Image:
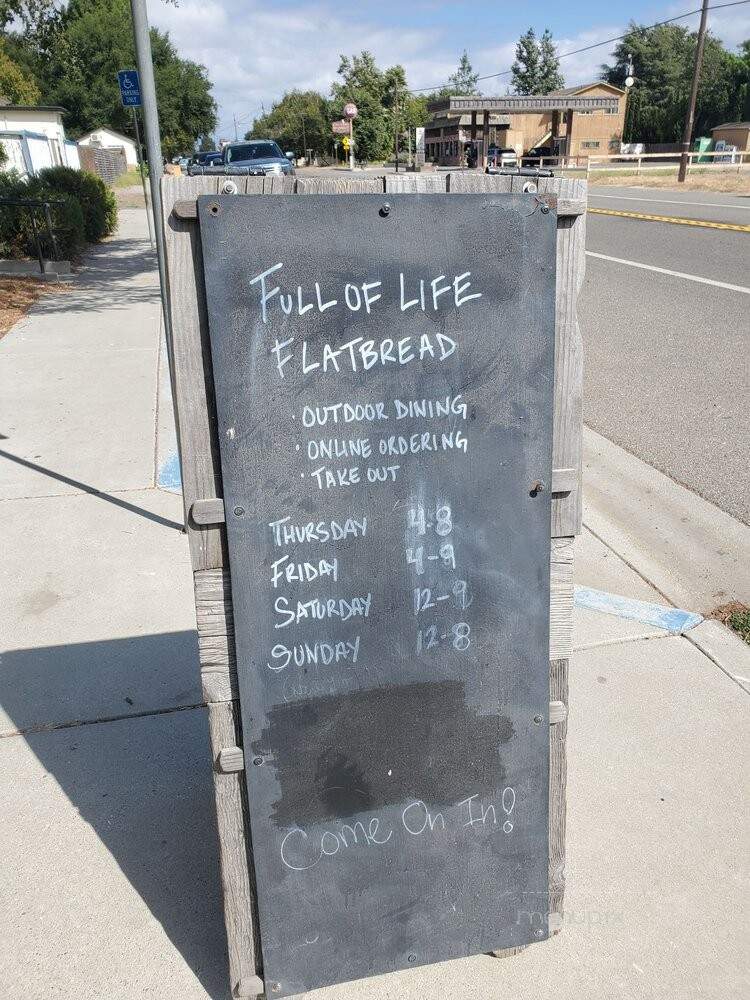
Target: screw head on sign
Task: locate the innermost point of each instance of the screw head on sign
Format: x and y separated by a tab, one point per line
385	210
536	487
275	987
257	761
239	511
412	958
538	719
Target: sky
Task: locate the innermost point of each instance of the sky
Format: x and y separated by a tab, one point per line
254	52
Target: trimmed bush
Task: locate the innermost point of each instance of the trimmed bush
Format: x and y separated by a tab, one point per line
97	201
17	224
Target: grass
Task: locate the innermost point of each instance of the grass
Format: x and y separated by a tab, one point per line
17	295
130	178
737	617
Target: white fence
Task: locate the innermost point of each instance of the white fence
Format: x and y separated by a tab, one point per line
722	159
30	152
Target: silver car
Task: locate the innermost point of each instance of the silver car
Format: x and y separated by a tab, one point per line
262	156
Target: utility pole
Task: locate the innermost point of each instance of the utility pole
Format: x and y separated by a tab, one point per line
395	126
144	59
690	116
142	172
234	119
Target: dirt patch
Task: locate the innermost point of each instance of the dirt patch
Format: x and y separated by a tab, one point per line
706	180
129	197
18	294
736	616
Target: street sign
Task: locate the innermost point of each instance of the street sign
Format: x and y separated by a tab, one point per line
340	127
384	402
130	87
350	110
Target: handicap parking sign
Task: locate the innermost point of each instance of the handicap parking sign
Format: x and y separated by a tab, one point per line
130	87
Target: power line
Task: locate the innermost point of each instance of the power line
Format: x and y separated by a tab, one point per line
596	45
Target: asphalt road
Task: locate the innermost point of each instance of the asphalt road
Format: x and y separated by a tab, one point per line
708	205
667	357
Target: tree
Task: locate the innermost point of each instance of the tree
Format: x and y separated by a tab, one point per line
75	53
380	96
663	63
16	86
525	71
550	77
300	121
464	81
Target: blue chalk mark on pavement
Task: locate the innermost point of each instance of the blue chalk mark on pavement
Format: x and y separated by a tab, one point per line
658	615
170	477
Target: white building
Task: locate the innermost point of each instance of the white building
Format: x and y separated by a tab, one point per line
34	138
107	138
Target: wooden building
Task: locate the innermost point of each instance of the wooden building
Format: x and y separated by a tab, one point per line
575	121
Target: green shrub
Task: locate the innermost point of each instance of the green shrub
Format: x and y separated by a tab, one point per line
97	201
17	223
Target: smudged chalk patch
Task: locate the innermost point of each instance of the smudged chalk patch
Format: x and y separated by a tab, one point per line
658	615
170	477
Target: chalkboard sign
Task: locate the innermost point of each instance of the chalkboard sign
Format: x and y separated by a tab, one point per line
383	369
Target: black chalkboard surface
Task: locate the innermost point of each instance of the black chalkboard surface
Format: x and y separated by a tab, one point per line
383	368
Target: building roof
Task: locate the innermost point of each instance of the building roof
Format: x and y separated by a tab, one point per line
30	107
569	91
106	128
731	125
443	121
519	104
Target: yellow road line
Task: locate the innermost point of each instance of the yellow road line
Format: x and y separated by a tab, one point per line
735	227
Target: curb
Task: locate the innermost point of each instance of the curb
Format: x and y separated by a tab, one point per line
725	649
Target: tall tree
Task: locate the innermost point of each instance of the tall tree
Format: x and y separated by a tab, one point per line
16	85
299	121
663	62
464	81
378	94
550	77
75	53
525	71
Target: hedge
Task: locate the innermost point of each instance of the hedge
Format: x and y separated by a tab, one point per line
97	201
83	210
16	224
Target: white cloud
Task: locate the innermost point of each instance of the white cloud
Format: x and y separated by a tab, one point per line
254	52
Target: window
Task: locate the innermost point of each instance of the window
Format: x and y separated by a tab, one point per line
589	145
584	112
252	151
614	110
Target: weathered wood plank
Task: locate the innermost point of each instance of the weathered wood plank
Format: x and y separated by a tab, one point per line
194	395
561	599
568	411
415	183
558	773
345	184
237	875
208	511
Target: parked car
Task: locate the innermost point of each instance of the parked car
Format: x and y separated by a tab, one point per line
207	157
531	159
501	156
261	156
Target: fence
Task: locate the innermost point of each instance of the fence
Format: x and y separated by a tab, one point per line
721	159
109	164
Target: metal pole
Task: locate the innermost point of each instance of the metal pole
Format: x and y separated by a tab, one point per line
690	116
395	127
234	119
144	59
143	177
351	144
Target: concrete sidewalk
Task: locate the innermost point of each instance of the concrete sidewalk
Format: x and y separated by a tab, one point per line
110	880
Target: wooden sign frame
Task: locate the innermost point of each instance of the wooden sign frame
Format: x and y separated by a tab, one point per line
204	508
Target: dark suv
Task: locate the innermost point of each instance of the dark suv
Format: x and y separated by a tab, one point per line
262	156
